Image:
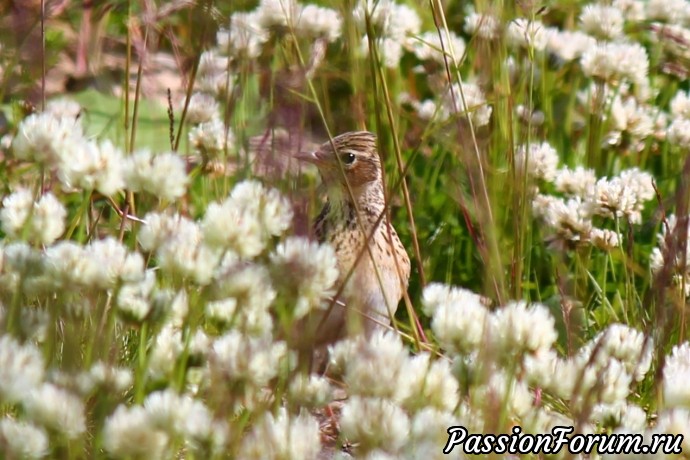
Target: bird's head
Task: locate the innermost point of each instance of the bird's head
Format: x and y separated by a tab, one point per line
351	158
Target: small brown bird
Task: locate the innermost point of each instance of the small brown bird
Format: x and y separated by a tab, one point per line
347	221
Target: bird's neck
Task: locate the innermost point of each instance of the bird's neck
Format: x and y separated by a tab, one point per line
368	199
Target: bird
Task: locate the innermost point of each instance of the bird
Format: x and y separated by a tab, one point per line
354	217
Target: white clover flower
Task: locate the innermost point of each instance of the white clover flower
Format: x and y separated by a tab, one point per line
475	101
211	138
133	299
602	21
91	166
679	267
676	422
504	392
182	415
251	287
426	110
458	317
161	227
633	10
485	26
22	440
629	116
539	161
676	376
307	270
605	239
163	175
540	367
42	221
179	246
571	219
622	196
277	13
620	415
221	311
427	384
603	381
568	45
527	34
390	50
394	24
101	375
282	436
248	359
21	259
256	213
680	105
614	62
372	367
612	199
374	423
16	210
625	344
57	409
392	20
167	347
202	108
179	308
520	327
429	427
63	108
428	46
21	369
245	36
43	138
317	21
106	262
309	391
671	11
576	181
678	133
128	432
213	74
535	118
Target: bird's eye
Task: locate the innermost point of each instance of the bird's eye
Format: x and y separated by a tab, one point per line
348	158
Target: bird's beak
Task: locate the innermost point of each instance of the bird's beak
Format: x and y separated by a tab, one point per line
315	157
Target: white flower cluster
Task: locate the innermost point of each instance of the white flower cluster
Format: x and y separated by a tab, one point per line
45	405
678	132
59	145
614	62
437	46
146	431
384	411
485	26
669	253
527	34
568	45
676	375
307	273
501	354
604	22
41	221
620	197
211	138
539	161
394	25
249	31
631	121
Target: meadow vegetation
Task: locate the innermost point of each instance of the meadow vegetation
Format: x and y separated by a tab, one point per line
156	241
